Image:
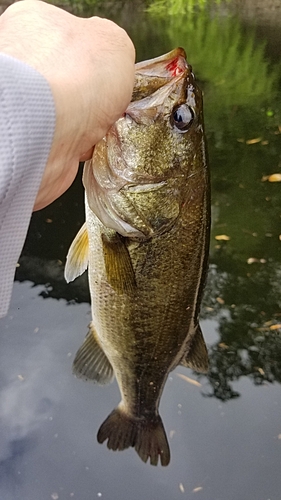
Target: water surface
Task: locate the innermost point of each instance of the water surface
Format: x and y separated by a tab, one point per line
224	432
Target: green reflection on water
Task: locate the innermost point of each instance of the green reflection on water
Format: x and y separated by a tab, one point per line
177	7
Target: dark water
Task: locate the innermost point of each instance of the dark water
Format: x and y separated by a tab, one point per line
224	432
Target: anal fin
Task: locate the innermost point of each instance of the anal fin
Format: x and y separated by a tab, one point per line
90	361
197	356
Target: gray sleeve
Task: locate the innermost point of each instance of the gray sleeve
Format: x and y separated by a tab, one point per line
27	125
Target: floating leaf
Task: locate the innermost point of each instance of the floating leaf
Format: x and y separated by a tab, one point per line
268	323
222	345
199	488
275	327
251	260
181	487
189	380
222	237
254	141
220	300
274	178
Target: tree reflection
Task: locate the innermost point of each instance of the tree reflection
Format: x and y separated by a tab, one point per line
246	304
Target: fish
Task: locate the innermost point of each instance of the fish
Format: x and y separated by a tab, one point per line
145	243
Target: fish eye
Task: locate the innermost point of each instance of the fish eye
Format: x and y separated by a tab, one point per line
182	117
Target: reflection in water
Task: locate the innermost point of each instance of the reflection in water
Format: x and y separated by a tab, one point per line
248	315
28	396
232	66
60	456
50	273
146	285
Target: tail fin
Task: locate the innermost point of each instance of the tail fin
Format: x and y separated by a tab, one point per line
148	437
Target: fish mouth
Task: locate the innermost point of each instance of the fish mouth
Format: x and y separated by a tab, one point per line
155	80
154	73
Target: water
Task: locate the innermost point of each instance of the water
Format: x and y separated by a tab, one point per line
224	432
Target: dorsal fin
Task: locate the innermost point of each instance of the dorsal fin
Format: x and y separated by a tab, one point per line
197	356
78	255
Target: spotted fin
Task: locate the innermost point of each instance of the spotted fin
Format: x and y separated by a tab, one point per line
197	357
147	436
78	255
91	362
118	265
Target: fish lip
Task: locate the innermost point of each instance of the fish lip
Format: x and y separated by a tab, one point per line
173	54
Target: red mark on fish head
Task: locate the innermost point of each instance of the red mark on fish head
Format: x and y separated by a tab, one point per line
176	67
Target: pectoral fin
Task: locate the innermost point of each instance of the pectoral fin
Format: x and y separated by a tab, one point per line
119	269
78	255
91	362
197	357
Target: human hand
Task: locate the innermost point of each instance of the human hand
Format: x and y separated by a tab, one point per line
89	65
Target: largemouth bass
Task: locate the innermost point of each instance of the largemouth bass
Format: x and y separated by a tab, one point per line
145	243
